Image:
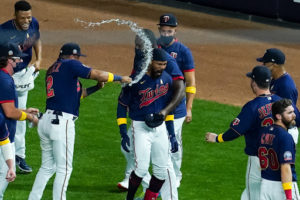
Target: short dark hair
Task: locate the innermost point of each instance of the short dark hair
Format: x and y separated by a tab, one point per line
262	85
3	62
279	107
22	6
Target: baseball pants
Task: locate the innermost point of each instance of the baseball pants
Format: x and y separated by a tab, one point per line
253	179
177	157
21	126
3	172
57	144
272	190
294	132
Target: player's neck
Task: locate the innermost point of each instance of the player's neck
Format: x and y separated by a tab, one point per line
279	123
278	72
262	92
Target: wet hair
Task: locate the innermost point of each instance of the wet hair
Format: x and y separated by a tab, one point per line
150	35
22	6
279	107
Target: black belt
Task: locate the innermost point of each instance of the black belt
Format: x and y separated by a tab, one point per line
60	113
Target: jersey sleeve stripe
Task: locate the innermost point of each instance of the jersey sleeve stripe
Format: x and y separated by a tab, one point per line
7	101
189	70
177	77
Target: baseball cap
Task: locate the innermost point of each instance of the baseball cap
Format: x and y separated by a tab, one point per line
71	49
260	74
159	55
167	20
11	50
273	55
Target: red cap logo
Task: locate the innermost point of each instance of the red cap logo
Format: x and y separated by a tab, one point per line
166	18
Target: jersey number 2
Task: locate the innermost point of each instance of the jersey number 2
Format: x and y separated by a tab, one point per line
50	91
268	157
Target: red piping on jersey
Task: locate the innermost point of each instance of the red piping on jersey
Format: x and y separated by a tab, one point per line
2	69
7	101
189	70
177	77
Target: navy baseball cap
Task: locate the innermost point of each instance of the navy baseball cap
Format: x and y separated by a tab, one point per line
11	50
273	55
71	49
167	20
260	74
159	55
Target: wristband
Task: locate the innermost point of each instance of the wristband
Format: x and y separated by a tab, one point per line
219	138
121	121
117	78
110	77
3	142
169	118
191	90
287	187
23	116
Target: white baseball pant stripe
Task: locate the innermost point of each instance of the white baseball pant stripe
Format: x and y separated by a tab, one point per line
3	172
253	179
272	190
150	143
21	127
57	143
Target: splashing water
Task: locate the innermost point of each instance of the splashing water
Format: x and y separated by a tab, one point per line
146	48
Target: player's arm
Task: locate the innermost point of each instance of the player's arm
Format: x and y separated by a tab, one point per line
88	91
229	135
122	123
102	76
12	112
7	152
178	94
286	179
190	90
38	54
170	127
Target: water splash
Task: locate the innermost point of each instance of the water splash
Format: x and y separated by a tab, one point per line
146	48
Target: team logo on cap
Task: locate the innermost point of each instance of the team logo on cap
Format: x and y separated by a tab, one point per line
166	18
74	51
174	54
10	53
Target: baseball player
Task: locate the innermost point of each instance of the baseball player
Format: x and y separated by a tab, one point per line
177	89
23	30
10	55
254	115
149	96
282	83
276	154
182	54
56	128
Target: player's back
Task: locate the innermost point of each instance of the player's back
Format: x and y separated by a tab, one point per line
62	85
276	146
255	114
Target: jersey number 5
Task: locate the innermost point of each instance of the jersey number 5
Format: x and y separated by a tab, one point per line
49	82
268	157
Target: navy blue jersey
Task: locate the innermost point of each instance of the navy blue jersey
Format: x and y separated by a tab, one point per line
147	96
63	87
26	39
255	114
285	87
4	132
173	70
276	147
8	94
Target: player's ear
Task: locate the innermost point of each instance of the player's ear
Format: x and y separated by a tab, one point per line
278	116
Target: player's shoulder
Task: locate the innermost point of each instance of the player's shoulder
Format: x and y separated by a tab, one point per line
7	25
182	47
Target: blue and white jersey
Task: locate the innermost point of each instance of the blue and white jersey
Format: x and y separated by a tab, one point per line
8	94
147	96
173	70
255	114
63	88
276	147
285	87
26	39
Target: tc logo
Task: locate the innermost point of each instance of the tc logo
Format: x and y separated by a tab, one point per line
166	18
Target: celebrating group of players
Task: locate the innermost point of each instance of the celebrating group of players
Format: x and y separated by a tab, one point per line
158	104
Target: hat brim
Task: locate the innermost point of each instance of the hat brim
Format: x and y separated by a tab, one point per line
260	59
83	55
172	25
249	74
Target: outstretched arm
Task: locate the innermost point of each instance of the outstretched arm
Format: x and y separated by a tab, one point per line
229	135
102	76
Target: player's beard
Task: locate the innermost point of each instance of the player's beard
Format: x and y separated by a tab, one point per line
288	124
155	73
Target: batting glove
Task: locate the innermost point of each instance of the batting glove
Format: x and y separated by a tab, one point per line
125	143
174	144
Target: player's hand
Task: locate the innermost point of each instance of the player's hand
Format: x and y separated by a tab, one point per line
188	117
210	137
174	144
33	111
126	79
11	175
101	85
125	143
37	65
